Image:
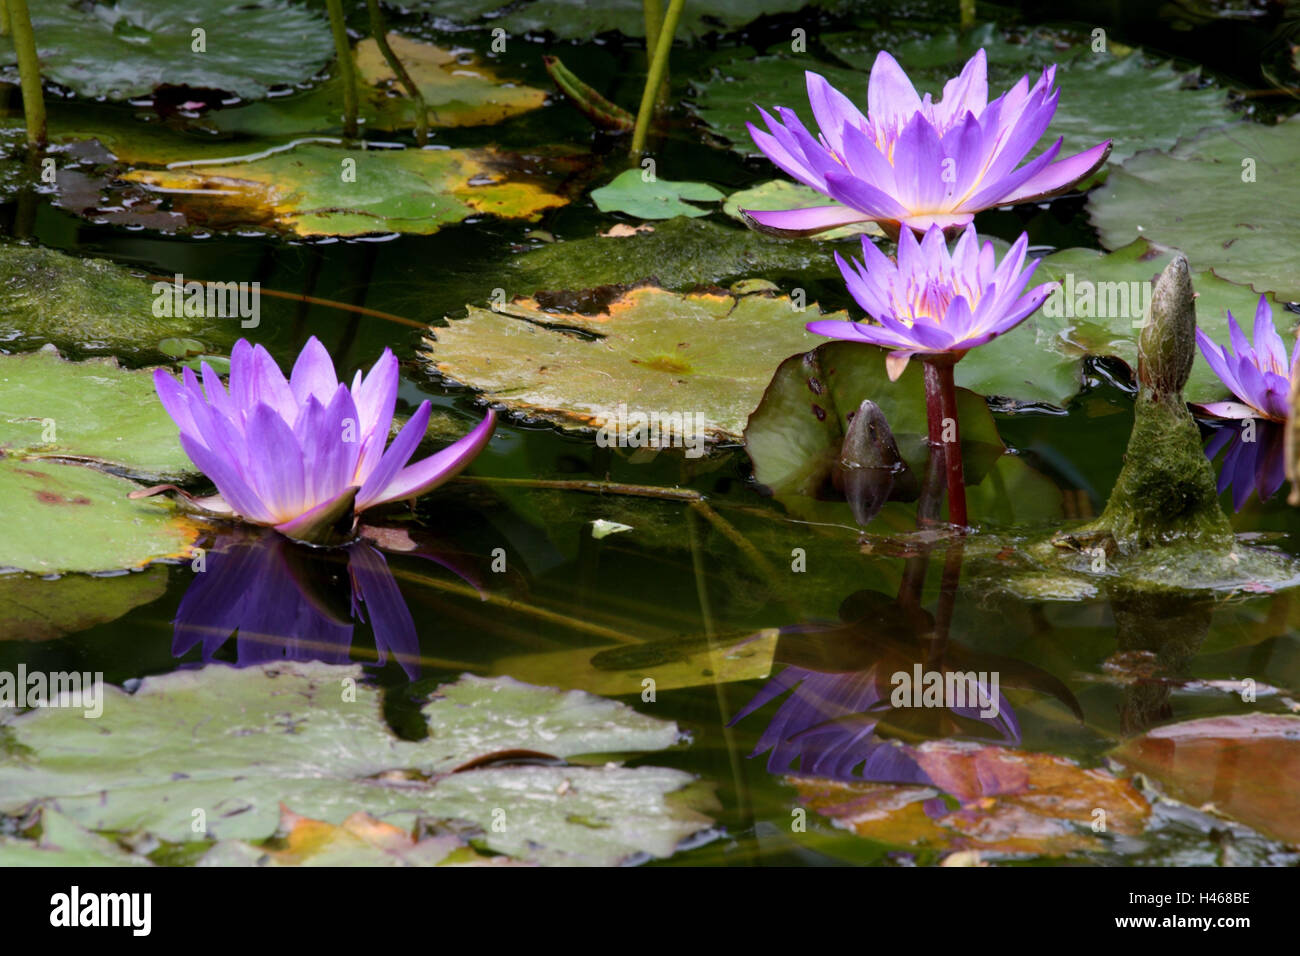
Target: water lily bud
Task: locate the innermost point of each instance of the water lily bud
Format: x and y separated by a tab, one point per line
869	462
1168	343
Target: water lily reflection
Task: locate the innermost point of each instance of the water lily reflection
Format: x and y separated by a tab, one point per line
286	601
848	714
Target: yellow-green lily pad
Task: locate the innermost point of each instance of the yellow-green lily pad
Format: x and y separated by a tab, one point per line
707	355
317	190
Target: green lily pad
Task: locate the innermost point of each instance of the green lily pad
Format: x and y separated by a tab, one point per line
92	411
63	843
581	20
681	253
631	192
236	743
63	517
37	609
704	354
1094	313
1228	199
127	48
1137	102
321	191
784	194
795	435
91	305
457	91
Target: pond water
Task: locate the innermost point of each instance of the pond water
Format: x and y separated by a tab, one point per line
761	630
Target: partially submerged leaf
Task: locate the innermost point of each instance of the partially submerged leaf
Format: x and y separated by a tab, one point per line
796	433
1229	199
321	191
697	361
63	517
93	411
1009	801
1245	766
127	48
653	198
237	743
91	305
681	253
37	609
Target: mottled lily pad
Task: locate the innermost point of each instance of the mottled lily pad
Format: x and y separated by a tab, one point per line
653	198
707	355
1245	765
1228	199
91	305
64	517
321	191
227	746
127	48
1007	801
92	411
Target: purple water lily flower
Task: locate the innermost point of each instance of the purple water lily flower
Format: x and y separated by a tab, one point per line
305	455
933	303
1260	378
914	162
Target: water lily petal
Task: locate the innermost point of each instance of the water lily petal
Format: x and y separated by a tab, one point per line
426	475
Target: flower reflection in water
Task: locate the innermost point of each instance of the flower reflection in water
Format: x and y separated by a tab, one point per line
840	680
287	601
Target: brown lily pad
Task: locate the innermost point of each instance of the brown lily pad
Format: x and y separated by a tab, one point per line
1246	766
1006	801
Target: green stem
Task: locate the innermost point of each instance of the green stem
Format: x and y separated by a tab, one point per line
29	71
654	18
379	30
967	14
658	69
4	19
347	69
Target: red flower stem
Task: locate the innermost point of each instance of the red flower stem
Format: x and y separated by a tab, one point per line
941	417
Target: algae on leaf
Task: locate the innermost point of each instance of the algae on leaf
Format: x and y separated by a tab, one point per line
91	305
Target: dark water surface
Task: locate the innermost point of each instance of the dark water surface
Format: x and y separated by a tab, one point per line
576	611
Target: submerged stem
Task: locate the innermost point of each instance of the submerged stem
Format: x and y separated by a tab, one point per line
379	30
945	434
347	69
658	69
29	71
